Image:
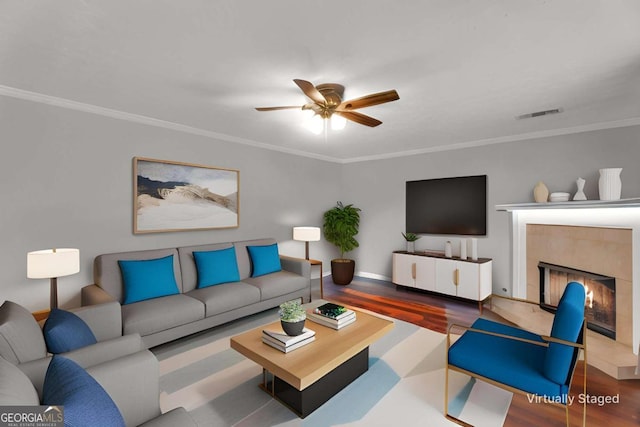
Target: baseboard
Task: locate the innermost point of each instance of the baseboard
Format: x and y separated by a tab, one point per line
372	276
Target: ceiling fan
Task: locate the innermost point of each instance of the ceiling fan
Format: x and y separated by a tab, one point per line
327	100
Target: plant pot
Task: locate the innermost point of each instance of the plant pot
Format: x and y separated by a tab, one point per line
342	271
292	328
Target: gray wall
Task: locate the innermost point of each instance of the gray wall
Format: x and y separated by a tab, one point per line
513	169
66	180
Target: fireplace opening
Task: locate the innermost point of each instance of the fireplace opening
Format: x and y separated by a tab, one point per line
600	305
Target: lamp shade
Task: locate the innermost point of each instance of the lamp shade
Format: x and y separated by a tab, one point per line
49	263
306	234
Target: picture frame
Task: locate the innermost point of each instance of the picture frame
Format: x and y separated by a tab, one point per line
177	196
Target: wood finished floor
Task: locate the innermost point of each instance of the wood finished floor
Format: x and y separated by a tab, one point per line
436	313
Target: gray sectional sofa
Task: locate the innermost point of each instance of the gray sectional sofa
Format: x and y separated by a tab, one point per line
163	319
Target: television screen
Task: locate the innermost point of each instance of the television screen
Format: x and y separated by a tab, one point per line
456	206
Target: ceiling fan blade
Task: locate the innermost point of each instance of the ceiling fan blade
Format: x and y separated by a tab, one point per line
359	118
369	100
278	108
310	90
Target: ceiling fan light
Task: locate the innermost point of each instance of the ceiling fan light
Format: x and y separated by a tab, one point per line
314	124
338	122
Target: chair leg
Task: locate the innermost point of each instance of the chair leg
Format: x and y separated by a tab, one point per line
446	390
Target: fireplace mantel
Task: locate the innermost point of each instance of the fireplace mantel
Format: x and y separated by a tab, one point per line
585	204
588	213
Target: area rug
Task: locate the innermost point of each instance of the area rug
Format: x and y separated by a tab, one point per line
404	384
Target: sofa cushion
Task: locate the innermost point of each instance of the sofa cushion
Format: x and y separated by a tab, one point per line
188	268
147	279
511	362
159	314
567	325
226	297
85	402
278	284
64	331
244	263
15	386
264	259
216	267
21	338
108	276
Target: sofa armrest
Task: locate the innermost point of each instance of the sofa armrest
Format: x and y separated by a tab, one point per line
94	294
133	384
104	320
299	266
36	370
85	357
106	350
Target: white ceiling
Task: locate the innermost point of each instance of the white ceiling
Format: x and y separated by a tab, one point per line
464	69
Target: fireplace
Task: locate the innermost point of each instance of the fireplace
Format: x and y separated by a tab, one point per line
600	305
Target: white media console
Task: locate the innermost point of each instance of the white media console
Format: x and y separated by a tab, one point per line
432	271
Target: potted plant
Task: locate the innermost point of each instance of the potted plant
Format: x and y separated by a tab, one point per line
292	317
411	240
341	224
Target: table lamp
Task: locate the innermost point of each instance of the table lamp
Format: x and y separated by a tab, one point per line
51	264
306	234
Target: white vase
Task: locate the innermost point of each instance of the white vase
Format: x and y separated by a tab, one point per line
447	249
580	193
411	246
610	184
473	242
463	249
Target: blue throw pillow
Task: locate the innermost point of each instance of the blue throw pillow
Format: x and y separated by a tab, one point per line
149	278
264	259
64	331
85	402
216	267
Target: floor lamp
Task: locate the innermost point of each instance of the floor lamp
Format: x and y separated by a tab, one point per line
306	234
51	264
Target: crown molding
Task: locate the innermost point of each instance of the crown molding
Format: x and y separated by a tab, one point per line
635	121
150	121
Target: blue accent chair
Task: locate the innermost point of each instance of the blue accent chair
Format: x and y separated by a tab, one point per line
523	362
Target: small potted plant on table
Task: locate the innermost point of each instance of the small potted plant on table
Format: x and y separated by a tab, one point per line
292	317
411	240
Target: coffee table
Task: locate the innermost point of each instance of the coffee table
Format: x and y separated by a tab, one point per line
307	377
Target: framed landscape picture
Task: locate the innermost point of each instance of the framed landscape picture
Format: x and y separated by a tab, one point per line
176	196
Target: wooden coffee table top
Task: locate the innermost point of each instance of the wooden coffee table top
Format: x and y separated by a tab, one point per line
305	365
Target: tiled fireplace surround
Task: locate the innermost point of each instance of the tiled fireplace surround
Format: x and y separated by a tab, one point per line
599	240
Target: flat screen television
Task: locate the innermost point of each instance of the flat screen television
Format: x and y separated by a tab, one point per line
452	206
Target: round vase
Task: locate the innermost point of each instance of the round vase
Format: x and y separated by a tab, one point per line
447	249
411	246
610	184
540	192
292	328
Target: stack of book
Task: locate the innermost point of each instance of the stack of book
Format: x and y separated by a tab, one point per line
332	315
277	338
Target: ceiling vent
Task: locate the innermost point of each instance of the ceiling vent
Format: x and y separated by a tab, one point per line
540	113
